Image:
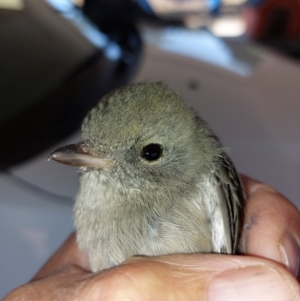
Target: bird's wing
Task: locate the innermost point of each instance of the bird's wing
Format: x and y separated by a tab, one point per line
230	199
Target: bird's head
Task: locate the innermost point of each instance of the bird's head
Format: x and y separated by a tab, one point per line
141	135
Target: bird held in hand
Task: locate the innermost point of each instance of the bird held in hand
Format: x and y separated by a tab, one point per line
154	179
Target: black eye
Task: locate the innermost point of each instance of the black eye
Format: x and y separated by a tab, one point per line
151	152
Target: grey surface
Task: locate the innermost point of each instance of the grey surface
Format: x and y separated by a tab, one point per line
256	116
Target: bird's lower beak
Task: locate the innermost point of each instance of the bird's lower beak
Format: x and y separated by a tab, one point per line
81	156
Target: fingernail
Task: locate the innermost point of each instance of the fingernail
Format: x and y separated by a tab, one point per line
289	249
248	284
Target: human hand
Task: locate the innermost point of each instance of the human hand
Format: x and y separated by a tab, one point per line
270	236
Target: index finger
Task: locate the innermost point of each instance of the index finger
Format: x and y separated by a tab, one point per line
271	225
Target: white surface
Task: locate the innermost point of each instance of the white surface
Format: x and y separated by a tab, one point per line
256	117
32	226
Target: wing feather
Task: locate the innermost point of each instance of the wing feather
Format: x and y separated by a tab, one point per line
230	199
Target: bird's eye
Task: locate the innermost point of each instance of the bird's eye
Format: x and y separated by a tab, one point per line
151	152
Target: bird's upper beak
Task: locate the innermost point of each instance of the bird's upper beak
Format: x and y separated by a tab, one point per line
80	155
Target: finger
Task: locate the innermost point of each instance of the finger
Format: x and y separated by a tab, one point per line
63	284
271	226
68	254
173	277
201	277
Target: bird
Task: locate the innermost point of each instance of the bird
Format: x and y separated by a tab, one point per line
154	179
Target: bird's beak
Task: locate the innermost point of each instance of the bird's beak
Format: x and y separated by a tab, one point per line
80	155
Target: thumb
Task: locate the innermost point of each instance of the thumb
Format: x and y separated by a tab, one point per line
201	277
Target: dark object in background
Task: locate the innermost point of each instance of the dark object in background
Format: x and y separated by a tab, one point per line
117	19
54	66
275	23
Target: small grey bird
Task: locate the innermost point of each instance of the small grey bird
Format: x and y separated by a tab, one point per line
154	179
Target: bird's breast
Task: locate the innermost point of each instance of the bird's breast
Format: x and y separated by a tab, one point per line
112	226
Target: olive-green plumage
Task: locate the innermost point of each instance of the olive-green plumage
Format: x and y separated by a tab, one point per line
154	179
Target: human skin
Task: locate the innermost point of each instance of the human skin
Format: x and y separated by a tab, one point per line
266	270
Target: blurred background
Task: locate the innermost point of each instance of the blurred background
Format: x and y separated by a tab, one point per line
235	61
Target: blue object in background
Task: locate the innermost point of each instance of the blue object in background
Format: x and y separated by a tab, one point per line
213	6
254	2
144	5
